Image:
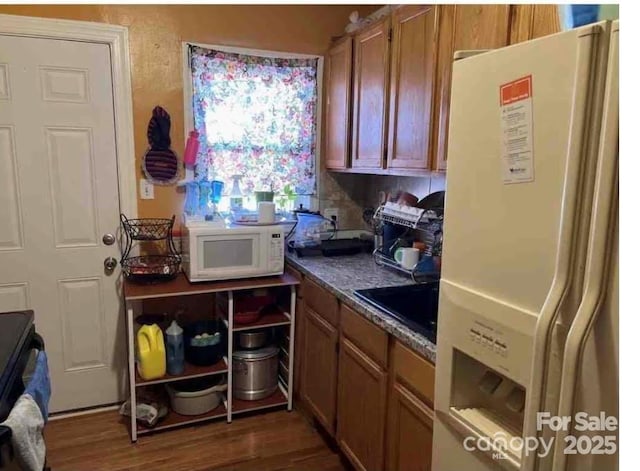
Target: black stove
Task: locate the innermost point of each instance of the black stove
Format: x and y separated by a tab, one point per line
416	306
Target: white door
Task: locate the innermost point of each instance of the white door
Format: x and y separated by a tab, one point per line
58	197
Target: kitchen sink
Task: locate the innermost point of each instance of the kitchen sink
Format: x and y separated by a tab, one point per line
416	306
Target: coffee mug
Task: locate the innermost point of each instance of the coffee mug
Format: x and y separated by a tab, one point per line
407	257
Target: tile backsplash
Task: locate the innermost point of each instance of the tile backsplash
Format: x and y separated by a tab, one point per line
351	193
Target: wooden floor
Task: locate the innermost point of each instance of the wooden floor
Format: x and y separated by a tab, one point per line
271	441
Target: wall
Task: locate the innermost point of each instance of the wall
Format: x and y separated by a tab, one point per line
155	35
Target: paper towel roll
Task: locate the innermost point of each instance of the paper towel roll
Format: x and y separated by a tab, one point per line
266	212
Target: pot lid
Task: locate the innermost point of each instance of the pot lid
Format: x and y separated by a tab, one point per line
259	354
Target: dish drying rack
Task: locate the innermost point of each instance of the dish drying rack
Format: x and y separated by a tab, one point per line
411	218
406	216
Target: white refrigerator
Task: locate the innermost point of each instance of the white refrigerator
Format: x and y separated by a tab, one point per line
527	346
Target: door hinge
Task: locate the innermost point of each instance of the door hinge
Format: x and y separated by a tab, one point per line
390	34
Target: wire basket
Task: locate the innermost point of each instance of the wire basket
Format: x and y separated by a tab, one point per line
147	229
164	264
147	268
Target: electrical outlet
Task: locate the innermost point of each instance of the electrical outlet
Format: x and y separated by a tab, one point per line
330	213
146	189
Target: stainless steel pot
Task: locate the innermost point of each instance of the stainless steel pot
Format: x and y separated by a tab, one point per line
255	373
253	338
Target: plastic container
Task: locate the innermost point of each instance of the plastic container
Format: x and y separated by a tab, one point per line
151	353
201	353
264	196
191	149
203	198
216	191
175	349
249	308
192	198
196	396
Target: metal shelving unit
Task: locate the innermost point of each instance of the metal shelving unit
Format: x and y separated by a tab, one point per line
230	406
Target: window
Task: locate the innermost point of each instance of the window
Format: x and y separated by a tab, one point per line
256	117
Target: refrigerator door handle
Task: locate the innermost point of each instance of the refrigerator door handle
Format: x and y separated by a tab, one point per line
604	218
562	275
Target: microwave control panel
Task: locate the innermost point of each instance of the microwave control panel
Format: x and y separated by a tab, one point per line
276	252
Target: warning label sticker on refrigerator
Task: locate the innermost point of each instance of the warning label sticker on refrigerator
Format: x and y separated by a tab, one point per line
517	131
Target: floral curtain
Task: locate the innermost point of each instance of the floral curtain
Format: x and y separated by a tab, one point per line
256	117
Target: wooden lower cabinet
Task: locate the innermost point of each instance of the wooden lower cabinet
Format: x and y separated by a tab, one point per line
320	372
409	431
382	419
362	397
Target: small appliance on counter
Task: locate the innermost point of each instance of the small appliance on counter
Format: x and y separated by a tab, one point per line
213	251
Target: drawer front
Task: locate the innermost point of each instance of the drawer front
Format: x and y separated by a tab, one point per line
321	301
370	338
414	371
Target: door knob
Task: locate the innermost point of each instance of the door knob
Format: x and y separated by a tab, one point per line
108	239
110	264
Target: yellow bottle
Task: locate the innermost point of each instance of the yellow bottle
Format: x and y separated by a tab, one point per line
151	354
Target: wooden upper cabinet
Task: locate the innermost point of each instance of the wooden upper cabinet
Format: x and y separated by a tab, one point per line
533	21
370	90
338	105
412	86
462	27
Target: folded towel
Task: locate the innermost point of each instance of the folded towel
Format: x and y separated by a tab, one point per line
39	388
26	423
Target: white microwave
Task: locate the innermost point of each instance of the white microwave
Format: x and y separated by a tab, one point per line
214	251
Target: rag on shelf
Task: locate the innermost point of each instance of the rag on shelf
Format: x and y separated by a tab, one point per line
28	416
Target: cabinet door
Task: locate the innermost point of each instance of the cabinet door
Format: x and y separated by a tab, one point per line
409	432
412	86
533	21
338	104
370	91
462	27
320	368
362	391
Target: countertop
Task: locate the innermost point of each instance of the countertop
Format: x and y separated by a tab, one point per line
343	274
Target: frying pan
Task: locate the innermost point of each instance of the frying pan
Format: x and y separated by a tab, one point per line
434	202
